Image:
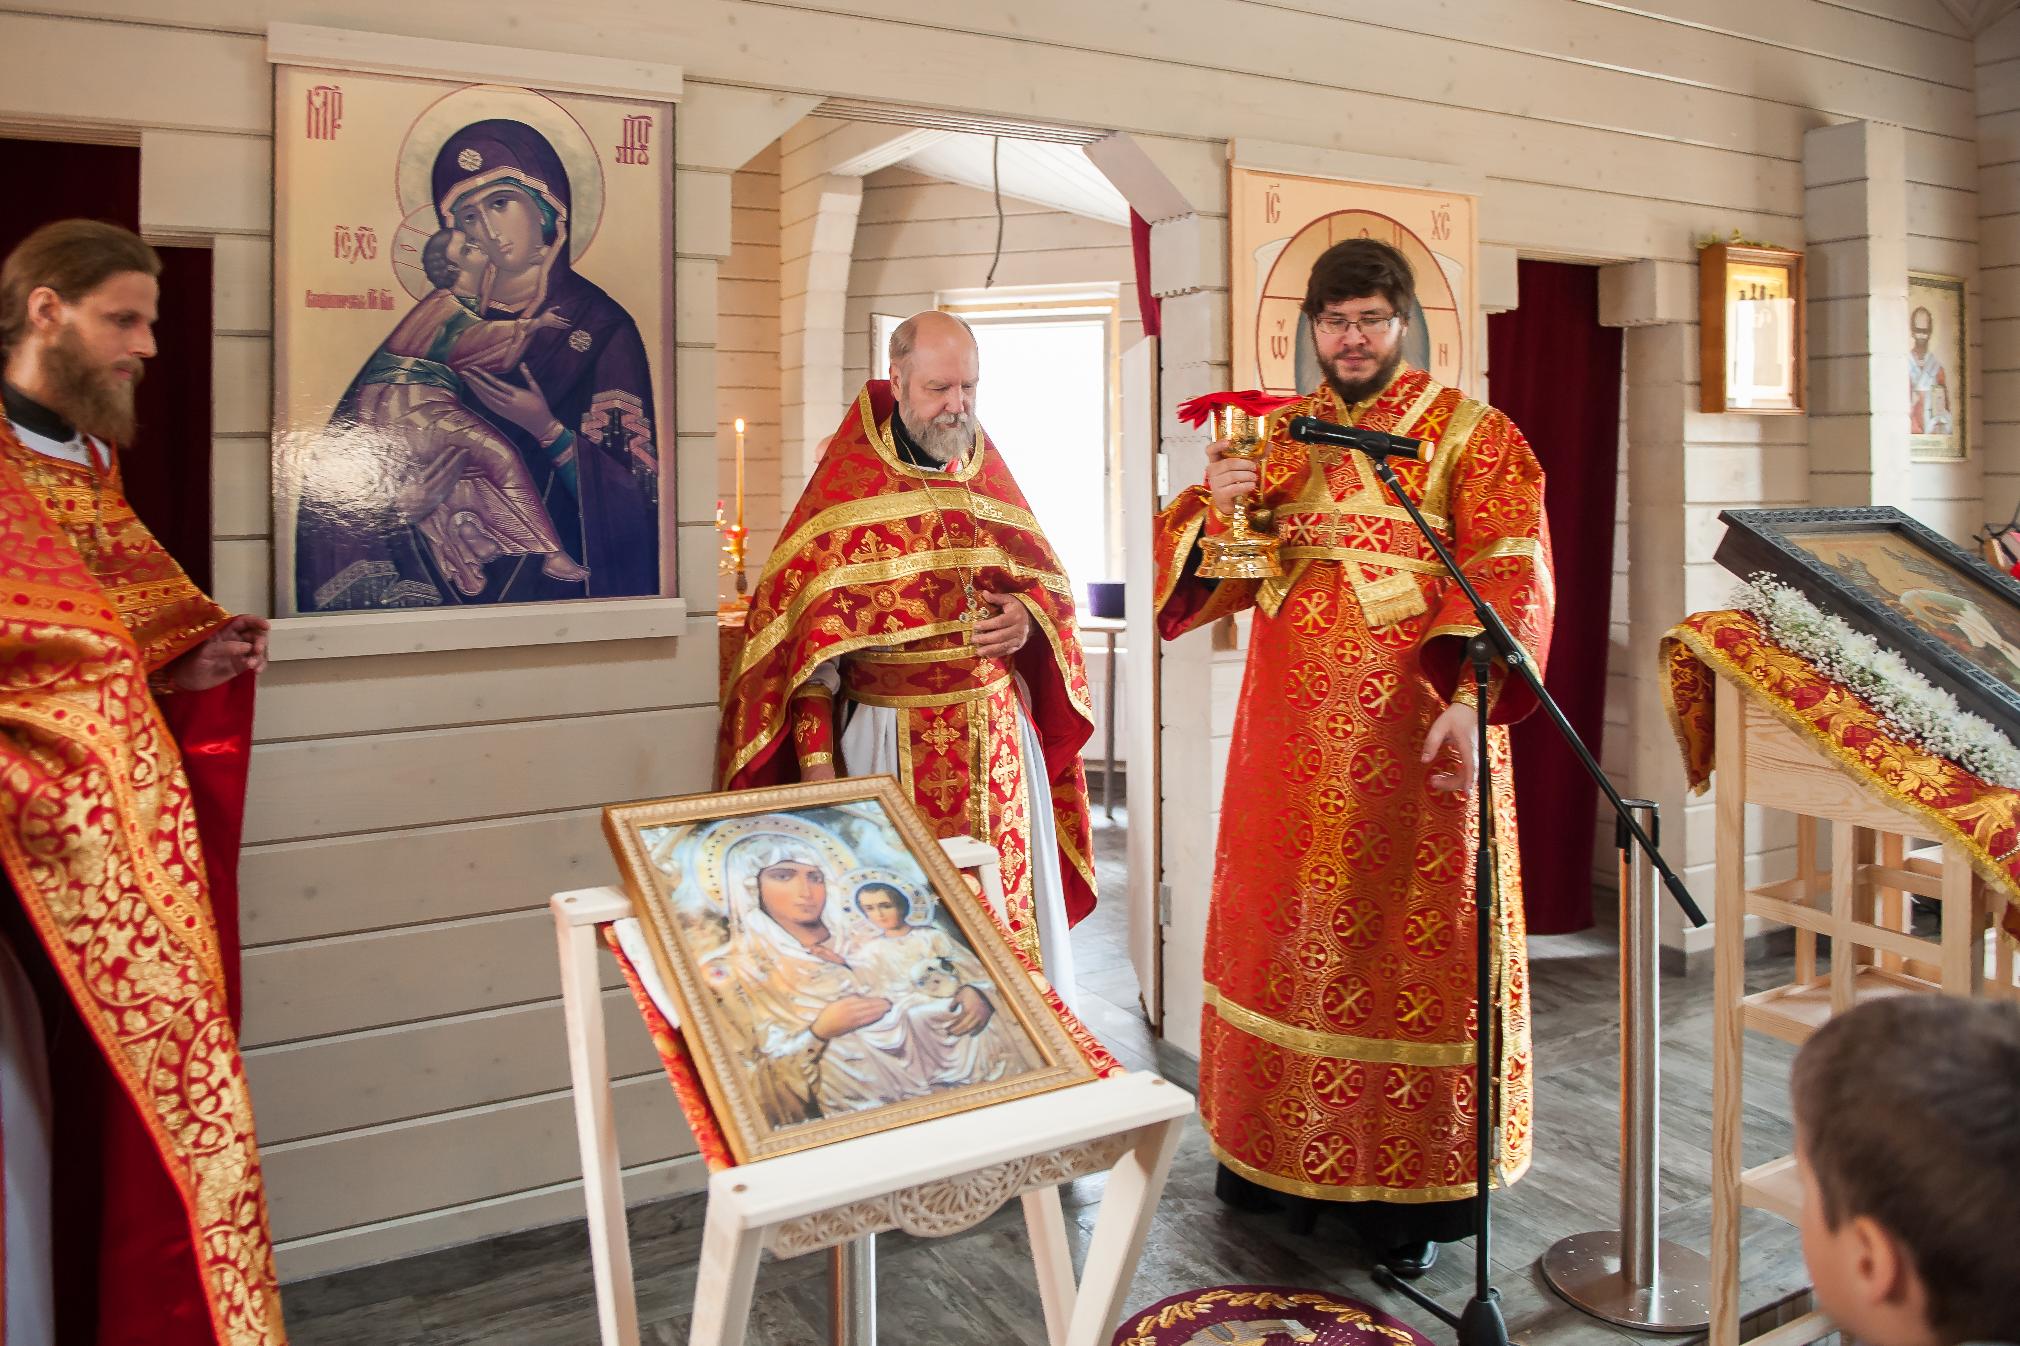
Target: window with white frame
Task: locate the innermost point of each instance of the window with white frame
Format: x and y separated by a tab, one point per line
1048	400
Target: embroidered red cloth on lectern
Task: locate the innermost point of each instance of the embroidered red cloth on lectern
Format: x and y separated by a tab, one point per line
875	563
1981	817
1337	1039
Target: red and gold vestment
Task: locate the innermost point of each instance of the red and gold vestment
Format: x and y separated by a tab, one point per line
104	856
1336	1048
874	569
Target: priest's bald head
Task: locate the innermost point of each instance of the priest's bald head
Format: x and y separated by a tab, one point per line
77	311
935	366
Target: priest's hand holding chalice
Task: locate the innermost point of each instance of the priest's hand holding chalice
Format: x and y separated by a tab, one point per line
1247	549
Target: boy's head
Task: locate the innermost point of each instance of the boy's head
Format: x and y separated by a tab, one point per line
1908	1138
884	904
450	261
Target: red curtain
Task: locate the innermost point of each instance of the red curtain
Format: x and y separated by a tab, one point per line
1556	371
1147	302
167	472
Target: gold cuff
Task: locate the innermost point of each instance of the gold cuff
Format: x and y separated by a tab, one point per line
817	759
1465	694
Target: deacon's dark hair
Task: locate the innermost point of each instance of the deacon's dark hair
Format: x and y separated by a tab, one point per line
71	257
897	895
1357	269
1909	1113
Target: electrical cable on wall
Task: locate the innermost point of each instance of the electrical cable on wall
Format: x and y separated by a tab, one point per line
996	182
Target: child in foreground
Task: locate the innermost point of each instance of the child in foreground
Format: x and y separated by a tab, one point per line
1908	1142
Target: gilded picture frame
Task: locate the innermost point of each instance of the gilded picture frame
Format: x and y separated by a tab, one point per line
1939	387
1753	335
1955	618
772	913
473	344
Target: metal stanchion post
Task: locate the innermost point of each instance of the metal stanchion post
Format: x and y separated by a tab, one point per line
1629	1276
852	1293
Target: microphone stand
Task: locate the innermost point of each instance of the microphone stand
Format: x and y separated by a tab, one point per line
1481	1322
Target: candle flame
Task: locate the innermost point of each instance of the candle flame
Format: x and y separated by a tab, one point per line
739	425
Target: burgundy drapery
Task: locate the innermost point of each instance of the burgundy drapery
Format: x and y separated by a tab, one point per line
1556	371
167	472
1147	303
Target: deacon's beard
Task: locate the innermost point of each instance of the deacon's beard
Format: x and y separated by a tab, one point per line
90	397
944	438
1350	393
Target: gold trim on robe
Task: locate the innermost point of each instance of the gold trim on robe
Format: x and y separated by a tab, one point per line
100	844
875	572
1337	1055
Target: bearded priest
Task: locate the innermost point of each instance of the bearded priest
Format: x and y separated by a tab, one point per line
913	621
133	1201
1336	1046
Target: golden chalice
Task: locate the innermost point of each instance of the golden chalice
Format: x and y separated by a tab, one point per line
1247	550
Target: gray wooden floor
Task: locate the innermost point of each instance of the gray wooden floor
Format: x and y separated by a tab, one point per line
977	1288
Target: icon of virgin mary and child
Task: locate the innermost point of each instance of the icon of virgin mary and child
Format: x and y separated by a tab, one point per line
498	446
849	995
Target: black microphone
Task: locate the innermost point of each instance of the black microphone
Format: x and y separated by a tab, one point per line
1376	444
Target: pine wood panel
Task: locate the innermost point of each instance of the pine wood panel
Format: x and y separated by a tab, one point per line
327	698
348	983
327	887
222	80
794	48
316	1186
201	182
1051	231
328	1085
241	496
911	275
1578	63
898	196
758	333
327	787
381	1241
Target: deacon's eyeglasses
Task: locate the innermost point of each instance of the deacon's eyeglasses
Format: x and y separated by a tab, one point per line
1332	324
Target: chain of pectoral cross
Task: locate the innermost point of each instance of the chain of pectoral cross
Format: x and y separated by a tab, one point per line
974	609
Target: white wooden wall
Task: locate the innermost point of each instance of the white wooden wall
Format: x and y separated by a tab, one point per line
1998	70
918	236
747	352
411	811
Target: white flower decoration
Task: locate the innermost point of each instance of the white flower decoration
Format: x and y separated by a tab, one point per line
1921	712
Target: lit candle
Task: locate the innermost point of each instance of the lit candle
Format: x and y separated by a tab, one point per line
739	472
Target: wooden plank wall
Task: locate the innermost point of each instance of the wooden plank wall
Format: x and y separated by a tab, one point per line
918	236
747	354
1998	70
413	811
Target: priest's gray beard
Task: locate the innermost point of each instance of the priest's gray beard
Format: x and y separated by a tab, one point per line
1350	393
93	399
944	438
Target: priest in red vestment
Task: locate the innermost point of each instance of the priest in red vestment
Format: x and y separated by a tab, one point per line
1336	1048
914	621
134	1208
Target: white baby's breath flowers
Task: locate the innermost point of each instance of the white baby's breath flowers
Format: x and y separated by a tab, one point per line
1923	713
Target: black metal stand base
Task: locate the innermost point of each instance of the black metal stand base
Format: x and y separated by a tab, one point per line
1479	1324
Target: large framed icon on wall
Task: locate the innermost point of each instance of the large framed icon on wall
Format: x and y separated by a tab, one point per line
473	344
1278	225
